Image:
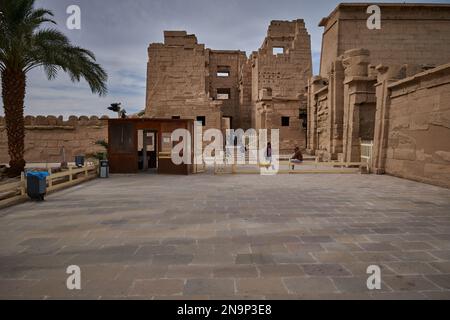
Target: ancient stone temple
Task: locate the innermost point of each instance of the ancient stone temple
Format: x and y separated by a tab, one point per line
280	72
415	34
381	95
225	89
177	81
386	88
186	80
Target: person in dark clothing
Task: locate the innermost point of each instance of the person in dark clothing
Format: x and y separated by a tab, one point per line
297	157
269	152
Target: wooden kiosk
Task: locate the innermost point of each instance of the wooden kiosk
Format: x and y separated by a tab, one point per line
145	145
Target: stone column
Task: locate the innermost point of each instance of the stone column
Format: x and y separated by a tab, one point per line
386	75
269	119
355	62
336	107
314	84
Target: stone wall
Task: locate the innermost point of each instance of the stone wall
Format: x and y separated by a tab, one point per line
245	95
45	137
177	80
285	74
341	108
186	80
410	34
227	62
323	119
279	81
413	125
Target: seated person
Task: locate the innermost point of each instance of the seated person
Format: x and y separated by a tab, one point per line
297	157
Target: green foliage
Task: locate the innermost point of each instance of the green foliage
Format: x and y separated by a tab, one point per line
102	143
98	156
101	155
25	45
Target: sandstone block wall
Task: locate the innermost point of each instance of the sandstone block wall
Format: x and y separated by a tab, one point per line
410	34
186	80
418	141
285	74
177	83
245	94
341	108
293	135
279	81
384	93
45	136
323	116
231	62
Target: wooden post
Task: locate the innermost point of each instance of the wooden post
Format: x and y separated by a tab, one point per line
70	174
22	184
85	170
49	178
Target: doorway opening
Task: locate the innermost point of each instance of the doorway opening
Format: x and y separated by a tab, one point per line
147	151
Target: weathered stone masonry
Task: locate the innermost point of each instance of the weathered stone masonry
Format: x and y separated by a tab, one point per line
45	136
227	89
388	86
177	83
412	133
279	81
384	86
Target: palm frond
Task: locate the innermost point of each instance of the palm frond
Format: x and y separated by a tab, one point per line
25	45
51	49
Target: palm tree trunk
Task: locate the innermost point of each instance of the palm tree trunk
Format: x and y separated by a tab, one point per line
13	92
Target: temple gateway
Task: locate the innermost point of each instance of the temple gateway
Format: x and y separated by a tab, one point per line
382	94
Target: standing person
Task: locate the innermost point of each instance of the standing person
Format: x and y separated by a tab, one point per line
297	157
269	152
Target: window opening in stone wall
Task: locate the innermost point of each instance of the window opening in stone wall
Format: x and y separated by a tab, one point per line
202	119
277	50
223	94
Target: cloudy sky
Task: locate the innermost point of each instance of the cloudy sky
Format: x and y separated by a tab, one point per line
119	32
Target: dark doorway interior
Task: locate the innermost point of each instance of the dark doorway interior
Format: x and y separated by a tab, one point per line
147	150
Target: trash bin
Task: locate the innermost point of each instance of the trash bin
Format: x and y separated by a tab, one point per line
37	185
79	161
104	169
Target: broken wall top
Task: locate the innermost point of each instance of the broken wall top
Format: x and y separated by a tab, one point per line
286	34
179	38
278	28
285	74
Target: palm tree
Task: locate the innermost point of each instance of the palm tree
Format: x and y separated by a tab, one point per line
25	45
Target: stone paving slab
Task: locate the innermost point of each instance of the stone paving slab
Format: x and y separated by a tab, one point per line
230	237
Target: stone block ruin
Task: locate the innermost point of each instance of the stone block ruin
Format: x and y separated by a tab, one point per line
389	88
225	89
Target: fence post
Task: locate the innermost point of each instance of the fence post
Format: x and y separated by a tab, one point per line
49	178
22	184
70	174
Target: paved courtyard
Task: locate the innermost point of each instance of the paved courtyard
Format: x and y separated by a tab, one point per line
220	237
